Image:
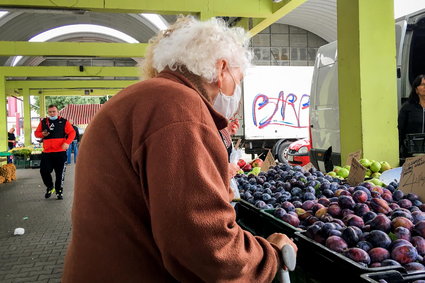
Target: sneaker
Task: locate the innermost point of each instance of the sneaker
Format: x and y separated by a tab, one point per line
49	192
59	194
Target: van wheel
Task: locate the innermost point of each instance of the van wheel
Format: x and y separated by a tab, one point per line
282	153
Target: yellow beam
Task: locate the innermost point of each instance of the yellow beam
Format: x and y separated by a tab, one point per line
42	105
3	117
27	116
234	8
95	49
283	8
85	84
69	71
77	92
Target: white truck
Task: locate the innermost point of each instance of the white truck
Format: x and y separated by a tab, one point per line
324	107
275	112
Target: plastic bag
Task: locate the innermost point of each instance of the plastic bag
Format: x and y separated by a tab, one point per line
235	155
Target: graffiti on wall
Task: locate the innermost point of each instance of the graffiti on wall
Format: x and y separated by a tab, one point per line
285	111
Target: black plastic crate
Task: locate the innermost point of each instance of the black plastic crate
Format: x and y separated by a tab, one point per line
261	222
329	266
415	143
392	276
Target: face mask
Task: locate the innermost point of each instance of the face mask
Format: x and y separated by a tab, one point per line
228	105
53	118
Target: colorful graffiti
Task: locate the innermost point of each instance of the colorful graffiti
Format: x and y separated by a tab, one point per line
286	111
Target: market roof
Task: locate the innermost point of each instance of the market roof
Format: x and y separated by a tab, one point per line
80	114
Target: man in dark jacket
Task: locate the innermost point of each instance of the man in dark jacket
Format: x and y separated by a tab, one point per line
57	133
73	147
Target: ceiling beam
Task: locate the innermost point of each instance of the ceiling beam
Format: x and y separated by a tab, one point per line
280	10
65	92
69	84
92	49
234	8
69	71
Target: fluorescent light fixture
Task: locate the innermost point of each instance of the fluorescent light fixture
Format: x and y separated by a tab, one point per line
3	13
156	20
80	28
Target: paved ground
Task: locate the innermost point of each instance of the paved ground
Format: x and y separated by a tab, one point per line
36	256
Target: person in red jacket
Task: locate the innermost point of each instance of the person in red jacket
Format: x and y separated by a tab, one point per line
57	133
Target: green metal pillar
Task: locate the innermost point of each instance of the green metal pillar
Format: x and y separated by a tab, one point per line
3	114
367	79
42	106
27	116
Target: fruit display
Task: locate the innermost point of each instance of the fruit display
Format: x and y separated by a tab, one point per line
372	225
253	167
373	170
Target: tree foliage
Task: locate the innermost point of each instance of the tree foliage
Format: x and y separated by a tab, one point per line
62	101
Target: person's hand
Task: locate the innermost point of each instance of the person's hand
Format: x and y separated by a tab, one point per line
233	170
65	146
281	240
233	126
45	133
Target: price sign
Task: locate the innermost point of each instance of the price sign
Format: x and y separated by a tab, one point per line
357	155
412	178
269	161
357	172
308	166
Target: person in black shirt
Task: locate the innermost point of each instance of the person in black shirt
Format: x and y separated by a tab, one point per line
11	142
73	147
411	118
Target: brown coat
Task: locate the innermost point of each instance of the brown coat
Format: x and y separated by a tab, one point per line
151	202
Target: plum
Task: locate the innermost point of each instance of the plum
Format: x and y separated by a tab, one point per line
358	255
336	243
312	231
279	212
419	243
361	209
402	233
378	254
412	267
308	205
398	195
404	254
369	216
399	242
334	209
291	219
393	206
316	207
353	220
420	228
321	212
388	197
380	222
350	236
297	203
401	222
360	196
380	206
390	262
402	212
288	206
364	245
405	203
327	228
378	239
324	201
346	212
346	202
418	216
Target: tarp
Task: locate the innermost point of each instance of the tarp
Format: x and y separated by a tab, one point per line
80	114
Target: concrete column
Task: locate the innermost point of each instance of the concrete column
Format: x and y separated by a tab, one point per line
367	79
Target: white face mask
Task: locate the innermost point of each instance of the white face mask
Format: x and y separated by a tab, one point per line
228	105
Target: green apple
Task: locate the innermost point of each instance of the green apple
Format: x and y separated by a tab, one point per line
375	166
376	175
343	173
332	174
348	167
337	168
376	182
385	166
256	170
365	162
367	173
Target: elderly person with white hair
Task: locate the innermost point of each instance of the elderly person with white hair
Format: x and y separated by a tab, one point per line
152	196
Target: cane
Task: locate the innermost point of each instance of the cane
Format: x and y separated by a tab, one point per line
289	260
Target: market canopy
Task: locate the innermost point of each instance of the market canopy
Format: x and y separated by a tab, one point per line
80	114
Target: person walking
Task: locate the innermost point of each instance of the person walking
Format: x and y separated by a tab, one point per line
73	147
152	195
11	142
57	133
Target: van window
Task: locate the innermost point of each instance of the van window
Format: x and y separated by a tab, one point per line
417	54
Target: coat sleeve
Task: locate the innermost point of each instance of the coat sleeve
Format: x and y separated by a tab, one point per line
193	223
70	133
402	123
38	131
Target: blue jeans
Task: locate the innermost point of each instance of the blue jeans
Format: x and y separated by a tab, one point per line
72	147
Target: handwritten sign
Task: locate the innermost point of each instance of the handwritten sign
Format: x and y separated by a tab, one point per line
412	178
308	166
357	155
269	161
357	172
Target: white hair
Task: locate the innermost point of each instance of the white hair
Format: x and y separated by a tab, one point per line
198	46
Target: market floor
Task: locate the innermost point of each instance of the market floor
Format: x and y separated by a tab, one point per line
38	255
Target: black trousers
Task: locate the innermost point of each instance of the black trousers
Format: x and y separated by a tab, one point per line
53	161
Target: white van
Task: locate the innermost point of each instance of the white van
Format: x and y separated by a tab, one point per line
324	106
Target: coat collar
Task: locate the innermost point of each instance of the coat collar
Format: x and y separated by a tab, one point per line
219	120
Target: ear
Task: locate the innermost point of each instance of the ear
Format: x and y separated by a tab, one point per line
221	66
